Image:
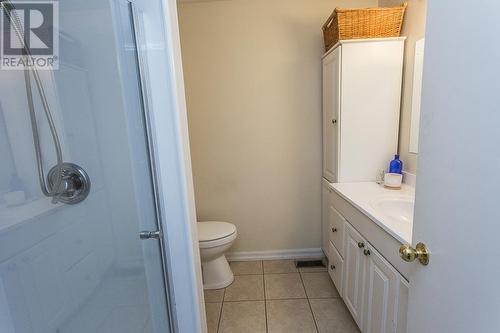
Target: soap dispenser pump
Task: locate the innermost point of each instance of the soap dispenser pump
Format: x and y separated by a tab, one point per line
396	165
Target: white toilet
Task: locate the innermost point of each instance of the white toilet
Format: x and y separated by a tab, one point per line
215	238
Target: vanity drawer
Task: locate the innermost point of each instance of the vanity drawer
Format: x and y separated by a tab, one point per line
335	267
336	232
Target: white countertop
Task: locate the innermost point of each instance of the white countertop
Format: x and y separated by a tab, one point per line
364	196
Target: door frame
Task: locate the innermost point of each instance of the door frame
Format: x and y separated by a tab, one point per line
157	37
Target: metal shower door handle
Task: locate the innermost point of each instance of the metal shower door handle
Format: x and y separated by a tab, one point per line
149	235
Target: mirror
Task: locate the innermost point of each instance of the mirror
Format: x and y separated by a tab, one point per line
418	68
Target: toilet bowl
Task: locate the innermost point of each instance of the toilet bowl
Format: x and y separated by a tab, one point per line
215	238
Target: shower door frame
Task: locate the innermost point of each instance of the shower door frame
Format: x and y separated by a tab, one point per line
144	95
169	160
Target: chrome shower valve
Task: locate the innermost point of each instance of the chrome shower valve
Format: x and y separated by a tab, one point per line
74	185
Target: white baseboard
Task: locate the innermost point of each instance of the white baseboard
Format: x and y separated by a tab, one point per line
276	254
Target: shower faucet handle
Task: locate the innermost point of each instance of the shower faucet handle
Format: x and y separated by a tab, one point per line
74	185
63	188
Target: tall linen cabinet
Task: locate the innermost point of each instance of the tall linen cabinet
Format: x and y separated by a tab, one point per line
361	106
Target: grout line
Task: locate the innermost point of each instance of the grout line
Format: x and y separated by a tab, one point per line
273	299
271	273
303	285
265	300
245	300
309	302
286	299
220	312
278	299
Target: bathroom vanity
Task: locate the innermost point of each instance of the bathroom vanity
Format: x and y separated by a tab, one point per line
364	225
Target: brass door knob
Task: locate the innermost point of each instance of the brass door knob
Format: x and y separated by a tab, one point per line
409	254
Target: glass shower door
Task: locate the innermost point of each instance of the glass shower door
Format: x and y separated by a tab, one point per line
81	267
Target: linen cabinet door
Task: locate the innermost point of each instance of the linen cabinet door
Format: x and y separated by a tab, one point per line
354	264
381	286
331	110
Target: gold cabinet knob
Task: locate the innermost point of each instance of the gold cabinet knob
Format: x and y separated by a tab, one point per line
409	254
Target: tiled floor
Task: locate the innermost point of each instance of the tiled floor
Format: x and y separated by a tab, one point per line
273	296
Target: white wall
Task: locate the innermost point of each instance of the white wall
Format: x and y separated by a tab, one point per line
253	86
413	29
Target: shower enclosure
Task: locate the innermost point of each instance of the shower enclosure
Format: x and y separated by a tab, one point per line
81	266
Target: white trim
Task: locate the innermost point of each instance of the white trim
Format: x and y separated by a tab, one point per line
276	254
361	40
409	179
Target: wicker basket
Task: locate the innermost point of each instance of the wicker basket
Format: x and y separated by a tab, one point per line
363	23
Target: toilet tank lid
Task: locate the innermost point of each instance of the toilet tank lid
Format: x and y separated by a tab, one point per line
212	230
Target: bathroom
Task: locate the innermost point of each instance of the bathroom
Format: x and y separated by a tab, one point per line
255	95
236	166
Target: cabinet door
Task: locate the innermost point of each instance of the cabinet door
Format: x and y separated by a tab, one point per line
325	218
381	286
331	106
354	264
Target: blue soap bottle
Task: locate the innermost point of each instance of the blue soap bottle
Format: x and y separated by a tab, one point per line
396	166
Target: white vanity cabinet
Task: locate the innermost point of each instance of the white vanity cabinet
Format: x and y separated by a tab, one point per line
372	288
380	293
333	224
361	106
354	265
325	219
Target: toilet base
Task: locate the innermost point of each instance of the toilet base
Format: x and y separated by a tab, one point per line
216	273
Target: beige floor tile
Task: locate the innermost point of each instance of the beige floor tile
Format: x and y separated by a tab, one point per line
246	267
245	288
282	286
332	316
289	316
319	285
279	266
243	317
213	314
214	295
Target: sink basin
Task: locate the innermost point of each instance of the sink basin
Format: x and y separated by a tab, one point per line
397	208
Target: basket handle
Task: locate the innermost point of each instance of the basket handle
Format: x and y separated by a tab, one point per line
329	20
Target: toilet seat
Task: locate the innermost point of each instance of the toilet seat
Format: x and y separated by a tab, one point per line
214	233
